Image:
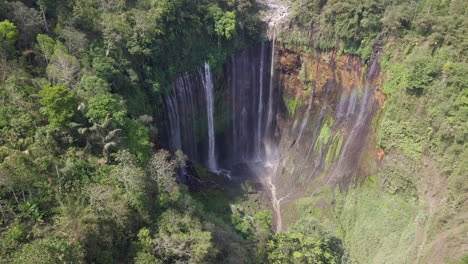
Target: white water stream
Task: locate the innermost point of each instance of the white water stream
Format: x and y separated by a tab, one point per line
208	85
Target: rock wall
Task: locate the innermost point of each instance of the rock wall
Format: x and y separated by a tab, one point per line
325	120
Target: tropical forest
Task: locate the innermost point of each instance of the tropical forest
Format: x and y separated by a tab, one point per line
234	131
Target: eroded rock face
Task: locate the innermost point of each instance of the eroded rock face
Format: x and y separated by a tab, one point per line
328	104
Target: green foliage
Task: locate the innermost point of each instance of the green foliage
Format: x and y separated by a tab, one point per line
60	104
463	260
181	238
137	139
106	105
434	87
292	105
225	22
63	68
295	247
29	212
202	172
325	133
367	239
161	168
48	250
12	238
8	35
398	78
47	46
423	69
146	258
335	148
91	86
242	224
264	219
65	198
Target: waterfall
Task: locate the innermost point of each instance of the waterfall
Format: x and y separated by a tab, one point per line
190	111
208	85
272	73
180	114
233	103
248	85
288	159
260	105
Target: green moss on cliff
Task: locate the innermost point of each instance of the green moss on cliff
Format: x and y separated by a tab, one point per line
325	133
335	148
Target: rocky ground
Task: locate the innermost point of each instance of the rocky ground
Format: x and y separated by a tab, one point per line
276	14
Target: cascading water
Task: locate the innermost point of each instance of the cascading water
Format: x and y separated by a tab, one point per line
272	74
180	107
289	153
208	84
260	105
192	97
250	95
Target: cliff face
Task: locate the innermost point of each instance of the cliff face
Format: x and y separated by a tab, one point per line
324	129
386	207
305	116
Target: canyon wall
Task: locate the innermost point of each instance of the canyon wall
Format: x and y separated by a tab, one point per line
304	118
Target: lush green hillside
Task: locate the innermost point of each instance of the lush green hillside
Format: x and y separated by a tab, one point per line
83	179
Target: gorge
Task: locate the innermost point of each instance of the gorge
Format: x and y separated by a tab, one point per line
306	122
234	131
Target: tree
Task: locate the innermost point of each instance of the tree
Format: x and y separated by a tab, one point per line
102	135
162	170
49	250
132	177
85	14
46	45
291	247
224	22
63	68
137	139
225	25
8	35
397	17
145	249
181	239
111	5
116	30
108	203
28	20
75	40
59	104
106	105
90	86
305	242
43	7
423	70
